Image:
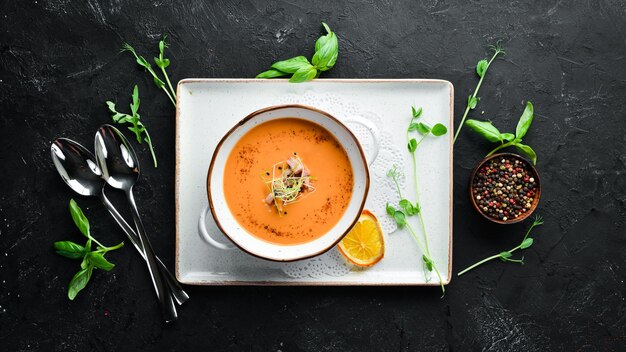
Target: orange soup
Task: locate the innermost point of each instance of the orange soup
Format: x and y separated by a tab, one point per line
272	148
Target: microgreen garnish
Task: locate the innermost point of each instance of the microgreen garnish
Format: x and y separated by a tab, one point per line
90	259
288	183
506	255
134	119
326	52
481	69
161	62
492	134
405	207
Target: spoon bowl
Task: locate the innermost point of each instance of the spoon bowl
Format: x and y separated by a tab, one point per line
77	166
116	157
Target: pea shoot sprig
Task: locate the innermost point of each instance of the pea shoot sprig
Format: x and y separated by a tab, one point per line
481	69
90	259
406	207
506	255
134	119
326	52
162	63
492	134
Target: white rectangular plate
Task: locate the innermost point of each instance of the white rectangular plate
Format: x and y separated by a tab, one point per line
208	108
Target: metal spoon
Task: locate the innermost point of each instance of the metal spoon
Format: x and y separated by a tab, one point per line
79	170
120	169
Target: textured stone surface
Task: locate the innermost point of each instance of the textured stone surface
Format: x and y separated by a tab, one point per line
59	62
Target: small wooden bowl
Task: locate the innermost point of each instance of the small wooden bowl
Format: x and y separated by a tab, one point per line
531	169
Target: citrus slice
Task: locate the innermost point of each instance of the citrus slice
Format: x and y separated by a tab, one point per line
364	245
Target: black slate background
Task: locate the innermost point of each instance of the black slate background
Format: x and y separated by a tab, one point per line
59	62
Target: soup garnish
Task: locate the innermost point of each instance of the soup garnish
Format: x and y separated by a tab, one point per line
288	182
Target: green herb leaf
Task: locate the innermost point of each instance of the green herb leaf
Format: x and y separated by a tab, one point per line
79	281
481	67
507	137
439	130
304	74
485	129
291	65
412	145
416	112
472	101
526	243
141	133
79	218
423	128
528	151
390	209
407	206
505	255
400	218
326	50
272	73
524	121
97	259
428	262
413	127
69	249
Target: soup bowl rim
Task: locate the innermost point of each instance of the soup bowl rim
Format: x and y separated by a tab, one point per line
361	159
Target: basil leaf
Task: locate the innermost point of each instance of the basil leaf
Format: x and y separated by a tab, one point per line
472	101
97	259
291	65
271	73
481	67
524	121
390	209
400	218
439	130
79	281
69	249
304	74
485	129
326	50
507	136
79	218
526	243
416	112
412	145
528	151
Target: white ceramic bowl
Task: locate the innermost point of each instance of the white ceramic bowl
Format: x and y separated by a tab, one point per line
256	246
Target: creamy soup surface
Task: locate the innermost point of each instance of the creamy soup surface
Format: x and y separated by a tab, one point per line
252	160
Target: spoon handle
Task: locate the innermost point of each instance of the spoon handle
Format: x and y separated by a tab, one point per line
177	291
165	297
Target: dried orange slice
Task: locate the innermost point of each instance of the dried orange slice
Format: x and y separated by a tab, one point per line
364	245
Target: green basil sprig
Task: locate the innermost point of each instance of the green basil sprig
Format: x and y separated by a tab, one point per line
492	134
90	259
299	67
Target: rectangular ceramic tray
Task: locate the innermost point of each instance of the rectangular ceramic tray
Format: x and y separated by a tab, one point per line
208	108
